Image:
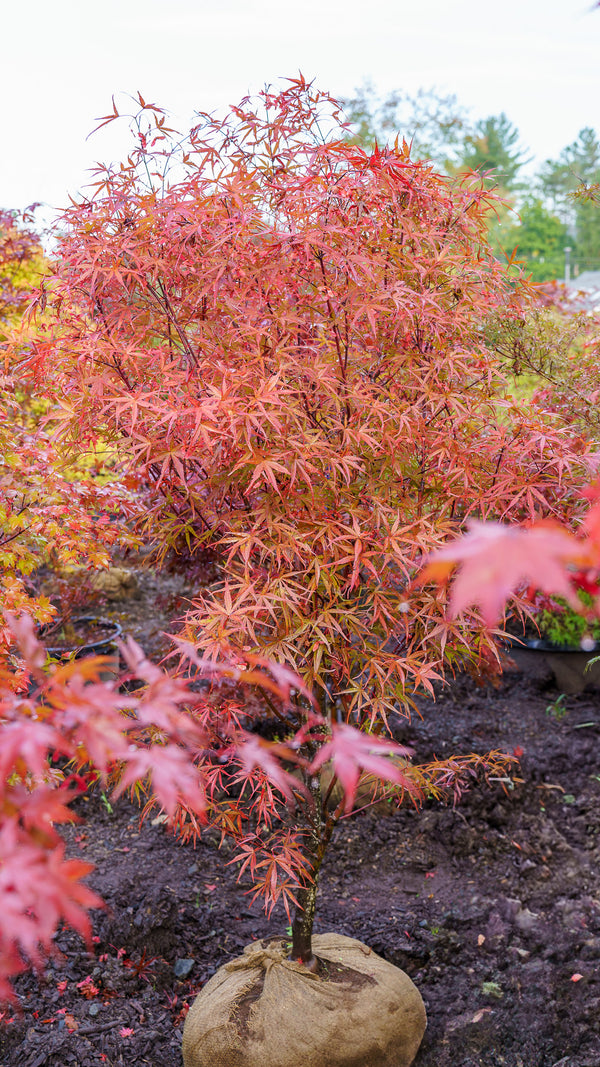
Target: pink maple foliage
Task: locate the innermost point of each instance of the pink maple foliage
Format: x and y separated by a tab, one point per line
495	561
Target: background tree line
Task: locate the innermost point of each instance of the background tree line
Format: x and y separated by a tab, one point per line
541	218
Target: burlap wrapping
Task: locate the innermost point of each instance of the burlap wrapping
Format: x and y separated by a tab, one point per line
262	1010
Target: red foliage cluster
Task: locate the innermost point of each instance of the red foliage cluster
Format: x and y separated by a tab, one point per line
55	510
20	261
70	715
283	339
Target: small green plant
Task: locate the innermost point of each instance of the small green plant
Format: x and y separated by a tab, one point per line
492	989
289	933
558	709
561	625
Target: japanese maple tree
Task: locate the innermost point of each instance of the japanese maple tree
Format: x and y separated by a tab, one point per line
283	336
51	512
21	261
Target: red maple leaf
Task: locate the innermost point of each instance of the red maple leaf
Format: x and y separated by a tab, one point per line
37	890
352	752
23	627
496	559
175	779
255	753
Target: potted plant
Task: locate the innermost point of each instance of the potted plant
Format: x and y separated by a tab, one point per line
566	640
81	636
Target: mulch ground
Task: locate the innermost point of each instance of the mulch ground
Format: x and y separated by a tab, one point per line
492	907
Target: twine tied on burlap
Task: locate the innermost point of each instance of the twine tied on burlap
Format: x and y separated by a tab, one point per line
256	955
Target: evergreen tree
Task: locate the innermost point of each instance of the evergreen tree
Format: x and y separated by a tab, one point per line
577	167
539	239
493	147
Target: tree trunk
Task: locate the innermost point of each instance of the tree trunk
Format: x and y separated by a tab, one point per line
302	925
318	829
317	837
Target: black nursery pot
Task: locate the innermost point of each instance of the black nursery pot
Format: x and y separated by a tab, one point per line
98	638
567	663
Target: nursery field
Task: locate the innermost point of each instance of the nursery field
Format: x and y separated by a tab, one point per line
492	907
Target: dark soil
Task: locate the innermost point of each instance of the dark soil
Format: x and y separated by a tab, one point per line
493	908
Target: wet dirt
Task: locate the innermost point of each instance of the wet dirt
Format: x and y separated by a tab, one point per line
492	907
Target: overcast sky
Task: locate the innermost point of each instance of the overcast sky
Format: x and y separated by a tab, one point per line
537	60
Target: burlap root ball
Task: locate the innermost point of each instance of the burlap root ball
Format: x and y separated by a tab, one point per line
115	583
263	1010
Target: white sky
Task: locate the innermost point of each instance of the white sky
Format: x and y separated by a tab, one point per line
61	61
